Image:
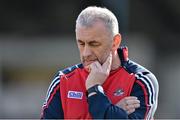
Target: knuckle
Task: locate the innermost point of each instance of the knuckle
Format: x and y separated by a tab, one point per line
132	110
125	98
126	107
137	105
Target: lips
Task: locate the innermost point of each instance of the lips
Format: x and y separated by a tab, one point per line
86	63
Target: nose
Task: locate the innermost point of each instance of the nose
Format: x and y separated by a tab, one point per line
87	51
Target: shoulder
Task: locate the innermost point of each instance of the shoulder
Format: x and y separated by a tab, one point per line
70	69
60	73
65	72
141	73
55	83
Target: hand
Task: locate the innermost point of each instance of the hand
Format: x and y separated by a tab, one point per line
98	73
129	104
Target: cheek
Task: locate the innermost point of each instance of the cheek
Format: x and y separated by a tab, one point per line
80	51
103	54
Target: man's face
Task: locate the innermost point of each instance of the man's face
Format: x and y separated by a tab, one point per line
94	43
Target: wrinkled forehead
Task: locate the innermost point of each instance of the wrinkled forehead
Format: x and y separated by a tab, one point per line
97	32
96	24
89	22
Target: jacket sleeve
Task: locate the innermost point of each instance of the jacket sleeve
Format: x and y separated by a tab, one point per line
146	90
100	107
52	107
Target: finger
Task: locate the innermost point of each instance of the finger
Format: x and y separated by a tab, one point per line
128	107
107	64
98	65
131	98
92	66
122	105
88	68
136	105
130	111
126	99
132	101
132	106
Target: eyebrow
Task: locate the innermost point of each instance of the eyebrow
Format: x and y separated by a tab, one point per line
79	40
93	41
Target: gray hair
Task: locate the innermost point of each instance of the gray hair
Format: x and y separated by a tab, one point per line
91	14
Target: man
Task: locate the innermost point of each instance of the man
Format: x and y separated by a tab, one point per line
106	84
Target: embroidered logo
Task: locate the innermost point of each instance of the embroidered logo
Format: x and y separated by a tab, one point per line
119	92
75	94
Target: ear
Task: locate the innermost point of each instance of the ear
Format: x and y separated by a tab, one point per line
116	42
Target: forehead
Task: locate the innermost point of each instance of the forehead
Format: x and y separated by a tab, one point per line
95	31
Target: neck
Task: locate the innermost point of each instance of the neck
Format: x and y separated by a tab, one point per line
115	61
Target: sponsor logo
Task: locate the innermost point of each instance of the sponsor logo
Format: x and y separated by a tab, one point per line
119	92
75	94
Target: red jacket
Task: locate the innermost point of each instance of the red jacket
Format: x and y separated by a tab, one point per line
74	82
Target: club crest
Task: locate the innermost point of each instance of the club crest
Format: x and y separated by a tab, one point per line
119	92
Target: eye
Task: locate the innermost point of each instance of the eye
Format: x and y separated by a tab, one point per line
94	43
81	43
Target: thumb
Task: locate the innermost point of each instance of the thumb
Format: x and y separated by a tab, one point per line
107	64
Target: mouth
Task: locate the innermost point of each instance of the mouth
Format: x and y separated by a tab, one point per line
87	63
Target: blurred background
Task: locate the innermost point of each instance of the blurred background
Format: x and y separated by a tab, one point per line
37	39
